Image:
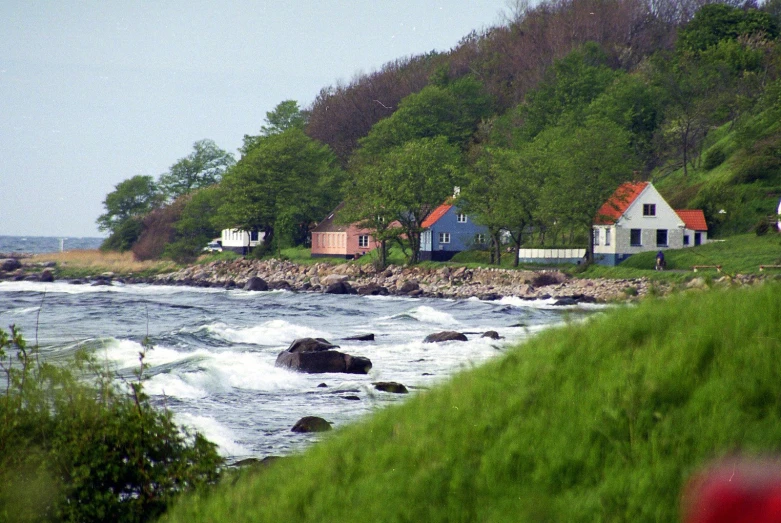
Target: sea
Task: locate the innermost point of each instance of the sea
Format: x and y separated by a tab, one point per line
45	244
213	350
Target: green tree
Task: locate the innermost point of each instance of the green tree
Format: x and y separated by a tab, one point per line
715	22
196	225
280	186
452	111
286	115
203	167
130	200
406	183
580	168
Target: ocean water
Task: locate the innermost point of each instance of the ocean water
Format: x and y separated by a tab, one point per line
212	362
44	244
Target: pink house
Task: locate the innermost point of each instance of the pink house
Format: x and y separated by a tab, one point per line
331	239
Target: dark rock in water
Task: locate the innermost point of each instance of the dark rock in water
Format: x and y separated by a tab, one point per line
373	289
390	386
100	282
491	334
415	293
445	336
351	398
311	345
491	296
46	276
281	285
256	284
322	386
230	284
566	300
10	264
76	282
426	374
340	287
361	337
311	424
323	361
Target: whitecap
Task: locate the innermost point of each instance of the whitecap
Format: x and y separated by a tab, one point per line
126	353
169	384
214	431
273	333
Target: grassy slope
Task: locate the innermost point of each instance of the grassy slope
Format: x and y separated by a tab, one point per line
599	421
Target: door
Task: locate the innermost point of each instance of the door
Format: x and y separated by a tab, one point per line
697	238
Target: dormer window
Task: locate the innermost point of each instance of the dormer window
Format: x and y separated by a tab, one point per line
649	209
461	217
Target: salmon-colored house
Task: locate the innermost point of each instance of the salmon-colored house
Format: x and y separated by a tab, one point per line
330	239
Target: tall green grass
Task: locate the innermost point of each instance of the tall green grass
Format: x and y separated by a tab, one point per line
602	421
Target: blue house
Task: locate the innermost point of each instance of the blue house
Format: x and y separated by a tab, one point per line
448	231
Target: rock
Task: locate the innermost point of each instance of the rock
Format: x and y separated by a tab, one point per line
351	398
100	282
281	285
373	289
491	334
310	345
339	288
445	336
390	386
361	337
407	287
311	424
256	284
47	275
564	301
334	278
10	264
322	386
314	356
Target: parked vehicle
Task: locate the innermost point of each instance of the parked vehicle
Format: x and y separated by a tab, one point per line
213	246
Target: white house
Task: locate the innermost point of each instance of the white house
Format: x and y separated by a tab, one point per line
636	219
240	241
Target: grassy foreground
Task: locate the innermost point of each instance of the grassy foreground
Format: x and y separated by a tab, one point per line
83	263
602	421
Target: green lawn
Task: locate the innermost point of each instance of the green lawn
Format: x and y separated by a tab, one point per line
596	421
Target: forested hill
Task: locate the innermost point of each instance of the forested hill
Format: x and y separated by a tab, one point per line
537	120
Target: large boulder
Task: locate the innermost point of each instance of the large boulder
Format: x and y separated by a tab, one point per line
491	334
341	287
47	276
360	337
373	289
256	284
311	424
334	278
445	336
315	355
10	264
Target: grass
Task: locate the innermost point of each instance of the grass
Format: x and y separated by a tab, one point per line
83	263
600	421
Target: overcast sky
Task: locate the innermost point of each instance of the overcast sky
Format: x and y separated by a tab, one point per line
95	92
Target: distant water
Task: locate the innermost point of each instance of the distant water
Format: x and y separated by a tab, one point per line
44	244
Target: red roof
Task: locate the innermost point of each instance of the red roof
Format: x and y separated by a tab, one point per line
694	219
438	213
619	202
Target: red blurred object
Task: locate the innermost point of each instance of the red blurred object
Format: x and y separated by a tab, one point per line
735	491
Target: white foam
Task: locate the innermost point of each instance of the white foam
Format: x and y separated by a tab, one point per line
175	386
427	314
214	432
87	288
274	333
246	370
21	311
125	353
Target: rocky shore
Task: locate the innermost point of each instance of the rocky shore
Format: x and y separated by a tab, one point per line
443	282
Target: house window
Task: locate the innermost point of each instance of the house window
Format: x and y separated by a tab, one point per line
607	236
363	241
444	237
649	209
461	217
686	239
595	236
661	237
479	238
253	236
635	237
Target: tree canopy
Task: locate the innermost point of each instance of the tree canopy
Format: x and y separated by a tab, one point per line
203	167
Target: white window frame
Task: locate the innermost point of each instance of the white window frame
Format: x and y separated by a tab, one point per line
607	236
649	210
461	218
480	238
444	237
363	241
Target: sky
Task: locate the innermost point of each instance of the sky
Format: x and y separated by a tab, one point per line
95	92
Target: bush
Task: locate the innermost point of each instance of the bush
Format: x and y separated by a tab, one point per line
714	158
762	228
76	447
124	236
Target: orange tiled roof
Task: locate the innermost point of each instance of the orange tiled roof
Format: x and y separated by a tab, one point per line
438	213
693	218
619	202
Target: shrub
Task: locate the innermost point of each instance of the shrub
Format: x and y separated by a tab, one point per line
762	227
714	158
74	446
